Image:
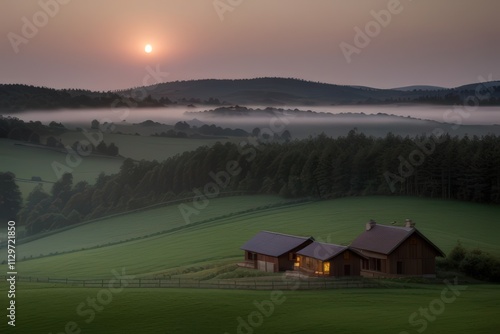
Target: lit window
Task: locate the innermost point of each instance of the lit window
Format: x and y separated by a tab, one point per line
326	267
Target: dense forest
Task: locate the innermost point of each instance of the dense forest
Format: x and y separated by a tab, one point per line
16	97
354	165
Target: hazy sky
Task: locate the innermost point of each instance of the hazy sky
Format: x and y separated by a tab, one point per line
99	44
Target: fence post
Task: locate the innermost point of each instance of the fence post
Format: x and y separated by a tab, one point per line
159	284
179	282
102	283
140	283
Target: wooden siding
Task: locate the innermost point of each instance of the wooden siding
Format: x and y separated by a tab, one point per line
311	266
415	255
271	263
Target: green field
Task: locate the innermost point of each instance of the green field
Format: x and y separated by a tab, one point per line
134	225
147	147
26	162
199	251
41	310
336	221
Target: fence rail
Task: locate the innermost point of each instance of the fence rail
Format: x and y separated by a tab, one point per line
288	284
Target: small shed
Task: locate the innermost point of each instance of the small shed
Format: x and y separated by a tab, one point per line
323	259
273	252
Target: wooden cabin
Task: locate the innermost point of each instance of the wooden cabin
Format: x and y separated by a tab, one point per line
273	252
322	259
392	251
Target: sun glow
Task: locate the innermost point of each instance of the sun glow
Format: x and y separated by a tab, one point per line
148	48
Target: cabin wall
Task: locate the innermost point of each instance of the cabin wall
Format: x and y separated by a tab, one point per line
338	264
415	256
310	265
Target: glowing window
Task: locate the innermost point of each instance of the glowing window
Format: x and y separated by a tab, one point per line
326	267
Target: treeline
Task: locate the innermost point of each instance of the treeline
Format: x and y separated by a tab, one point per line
184	130
354	165
33	132
16	129
17	97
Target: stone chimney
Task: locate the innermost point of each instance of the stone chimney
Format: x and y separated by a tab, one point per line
370	224
409	223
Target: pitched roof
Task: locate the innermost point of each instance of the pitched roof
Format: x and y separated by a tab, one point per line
323	251
273	244
385	239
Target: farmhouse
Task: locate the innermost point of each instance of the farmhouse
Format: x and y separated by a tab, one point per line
396	251
273	252
322	259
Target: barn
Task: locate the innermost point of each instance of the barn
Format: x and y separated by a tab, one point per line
273	252
393	251
322	259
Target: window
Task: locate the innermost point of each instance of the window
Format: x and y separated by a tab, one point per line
364	264
251	256
292	256
399	268
346	256
377	265
326	268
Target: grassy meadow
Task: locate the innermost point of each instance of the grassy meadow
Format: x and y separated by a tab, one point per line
26	162
336	221
138	224
147	147
43	310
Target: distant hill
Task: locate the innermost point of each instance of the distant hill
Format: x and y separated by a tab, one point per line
258	91
419	87
285	91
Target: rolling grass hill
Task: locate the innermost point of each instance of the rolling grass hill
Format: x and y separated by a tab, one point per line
147	147
135	225
26	162
336	221
186	311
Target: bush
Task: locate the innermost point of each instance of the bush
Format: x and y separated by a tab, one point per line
475	263
456	255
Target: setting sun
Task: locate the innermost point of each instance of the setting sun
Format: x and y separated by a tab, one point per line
148	48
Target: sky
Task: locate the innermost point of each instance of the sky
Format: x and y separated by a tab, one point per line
99	45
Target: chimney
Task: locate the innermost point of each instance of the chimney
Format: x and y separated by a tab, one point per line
370	224
409	223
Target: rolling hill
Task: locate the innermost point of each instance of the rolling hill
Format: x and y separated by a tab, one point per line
258	91
219	239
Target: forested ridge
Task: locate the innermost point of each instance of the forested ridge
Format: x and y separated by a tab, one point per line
355	165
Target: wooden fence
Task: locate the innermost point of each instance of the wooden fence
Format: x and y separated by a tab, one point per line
288	284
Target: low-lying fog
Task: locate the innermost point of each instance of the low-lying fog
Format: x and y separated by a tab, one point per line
332	120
